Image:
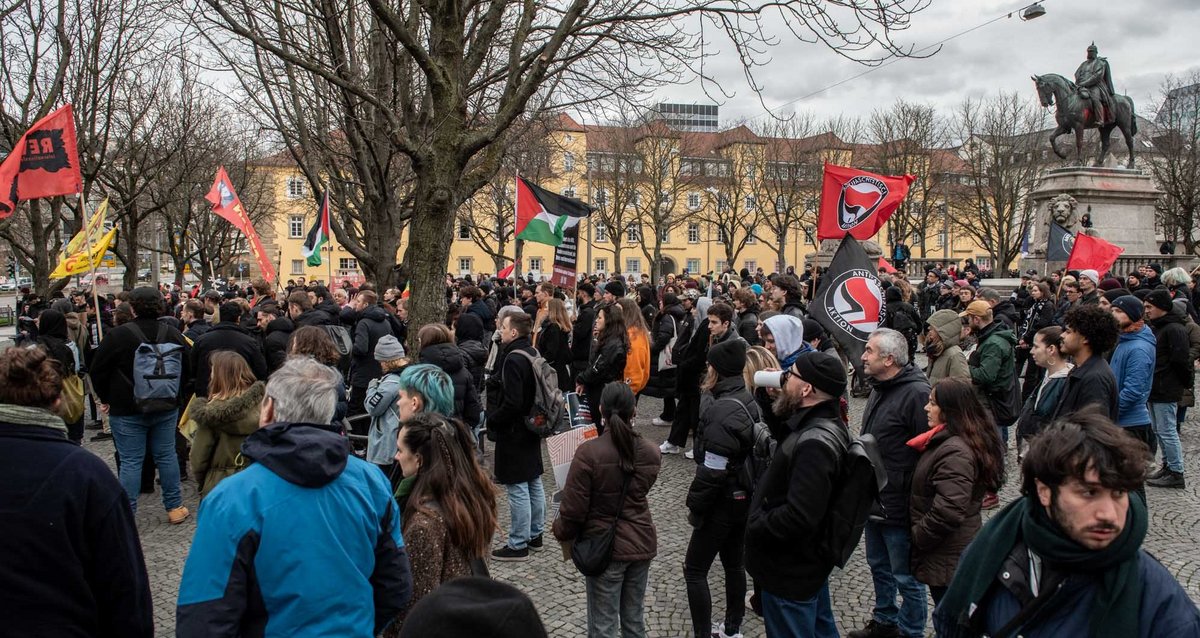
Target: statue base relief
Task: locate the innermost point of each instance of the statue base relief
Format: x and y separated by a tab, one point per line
1119	202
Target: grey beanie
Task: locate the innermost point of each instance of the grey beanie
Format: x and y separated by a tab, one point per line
388	348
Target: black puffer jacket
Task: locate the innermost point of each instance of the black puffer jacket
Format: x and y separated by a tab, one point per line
581	336
726	430
747	325
226	336
667	324
315	317
554	344
453	362
275	342
372	326
690	359
895	413
1006	313
476	355
1173	362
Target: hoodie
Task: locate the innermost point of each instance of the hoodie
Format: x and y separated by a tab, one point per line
339	569
450	358
789	338
993	361
1133	366
947	359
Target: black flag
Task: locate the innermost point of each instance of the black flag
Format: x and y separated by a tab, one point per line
849	303
1058	247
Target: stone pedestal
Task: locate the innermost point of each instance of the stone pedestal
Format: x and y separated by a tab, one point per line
825	253
1120	202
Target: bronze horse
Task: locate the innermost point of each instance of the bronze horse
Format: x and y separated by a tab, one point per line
1072	115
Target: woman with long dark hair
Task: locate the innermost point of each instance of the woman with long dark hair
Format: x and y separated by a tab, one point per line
450	515
552	338
607	362
961	460
606	486
1038	315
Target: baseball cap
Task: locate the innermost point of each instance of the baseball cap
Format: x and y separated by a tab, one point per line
977	308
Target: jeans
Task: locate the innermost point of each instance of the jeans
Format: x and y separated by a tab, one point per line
1180	416
887	555
615	599
135	435
527	508
812	618
1162	417
1145	434
723	532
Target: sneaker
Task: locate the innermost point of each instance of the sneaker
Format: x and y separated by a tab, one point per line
690	455
535	543
659	422
990	501
669	448
94	425
876	630
1158	473
718	631
178	515
1168	479
507	554
102	436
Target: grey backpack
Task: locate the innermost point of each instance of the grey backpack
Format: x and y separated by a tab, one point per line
157	371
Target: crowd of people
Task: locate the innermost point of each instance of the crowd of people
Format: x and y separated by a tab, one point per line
350	465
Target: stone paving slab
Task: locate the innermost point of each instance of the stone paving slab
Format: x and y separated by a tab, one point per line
558	590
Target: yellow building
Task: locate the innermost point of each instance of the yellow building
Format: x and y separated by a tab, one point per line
708	195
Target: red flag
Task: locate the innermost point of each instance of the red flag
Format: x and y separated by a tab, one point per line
43	163
883	263
507	271
1093	253
226	204
858	202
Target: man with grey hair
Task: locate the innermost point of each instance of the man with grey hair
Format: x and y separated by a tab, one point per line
894	414
306	539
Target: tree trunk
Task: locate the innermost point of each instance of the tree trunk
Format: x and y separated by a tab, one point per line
129	233
781	251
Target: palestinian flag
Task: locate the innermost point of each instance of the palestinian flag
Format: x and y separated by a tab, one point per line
544	217
320	233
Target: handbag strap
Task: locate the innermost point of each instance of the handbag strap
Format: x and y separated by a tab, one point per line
621	503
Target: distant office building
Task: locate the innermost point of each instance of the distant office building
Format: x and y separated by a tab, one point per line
689	117
1179	110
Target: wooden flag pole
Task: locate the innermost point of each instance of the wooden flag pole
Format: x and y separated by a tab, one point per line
87	237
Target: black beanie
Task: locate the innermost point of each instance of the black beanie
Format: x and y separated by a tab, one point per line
824	371
892	294
474	607
1115	293
728	358
615	288
1160	298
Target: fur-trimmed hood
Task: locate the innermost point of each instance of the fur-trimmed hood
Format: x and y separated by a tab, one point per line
227	415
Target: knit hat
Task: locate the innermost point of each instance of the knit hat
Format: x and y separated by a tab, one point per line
824	371
756	288
1156	267
474	607
1110	284
962	283
1129	305
1160	298
728	357
388	348
892	294
813	330
1090	274
615	288
1111	295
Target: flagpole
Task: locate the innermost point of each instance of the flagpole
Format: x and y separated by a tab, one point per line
87	237
329	266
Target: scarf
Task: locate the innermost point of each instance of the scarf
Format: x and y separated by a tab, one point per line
1114	612
921	441
25	415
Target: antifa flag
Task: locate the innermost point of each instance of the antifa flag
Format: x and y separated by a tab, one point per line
858	203
1093	253
849	303
43	163
1060	244
547	218
227	204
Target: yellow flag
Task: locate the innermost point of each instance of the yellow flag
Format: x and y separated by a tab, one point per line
82	262
94	230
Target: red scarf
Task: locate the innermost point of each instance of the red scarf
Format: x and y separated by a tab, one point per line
921	441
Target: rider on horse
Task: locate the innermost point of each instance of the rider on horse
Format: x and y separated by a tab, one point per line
1094	81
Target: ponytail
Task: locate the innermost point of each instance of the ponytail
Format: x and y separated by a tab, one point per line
617	405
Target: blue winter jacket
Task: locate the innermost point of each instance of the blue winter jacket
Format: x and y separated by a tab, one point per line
303	542
1133	366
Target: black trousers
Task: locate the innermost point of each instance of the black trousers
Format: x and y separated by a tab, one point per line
687	415
723	533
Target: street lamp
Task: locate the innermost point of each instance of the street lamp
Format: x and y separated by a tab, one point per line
1033	11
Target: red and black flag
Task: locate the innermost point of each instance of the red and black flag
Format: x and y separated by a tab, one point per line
44	162
849	302
858	203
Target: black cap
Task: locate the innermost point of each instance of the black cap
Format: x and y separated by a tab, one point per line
474	607
824	371
1160	298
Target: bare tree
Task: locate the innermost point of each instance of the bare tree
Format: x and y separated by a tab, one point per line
426	95
1001	154
661	208
615	175
1176	167
734	186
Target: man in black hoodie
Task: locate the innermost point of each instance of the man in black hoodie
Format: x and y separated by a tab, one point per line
301	310
228	334
894	414
1172	374
275	330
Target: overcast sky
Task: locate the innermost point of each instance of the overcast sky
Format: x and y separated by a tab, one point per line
1144	40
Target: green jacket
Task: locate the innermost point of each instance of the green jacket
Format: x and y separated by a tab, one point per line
221	427
950	361
993	362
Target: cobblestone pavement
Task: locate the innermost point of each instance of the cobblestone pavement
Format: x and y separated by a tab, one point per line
558	589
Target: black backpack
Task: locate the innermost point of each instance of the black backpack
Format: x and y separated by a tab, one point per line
344	342
855	496
762	449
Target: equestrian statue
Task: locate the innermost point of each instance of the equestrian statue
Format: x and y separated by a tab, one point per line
1088	102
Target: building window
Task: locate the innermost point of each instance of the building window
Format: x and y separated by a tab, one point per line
721	264
601	197
347	263
601	266
636	199
781	204
633	234
722	236
750	236
601	232
984	262
296	188
295	226
751	202
664	199
751	265
297	266
664	235
633	266
568	191
810	234
535	264
693	200
464	265
464	231
693	233
568	161
693	266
